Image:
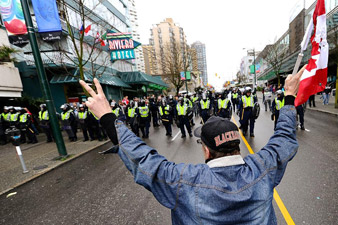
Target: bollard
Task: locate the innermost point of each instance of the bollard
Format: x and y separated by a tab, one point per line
18	150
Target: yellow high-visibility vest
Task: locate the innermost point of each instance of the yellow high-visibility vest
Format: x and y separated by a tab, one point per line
116	111
6	116
223	104
205	105
23	118
144	111
43	115
235	95
82	115
131	112
65	115
14	117
279	104
166	110
181	110
247	101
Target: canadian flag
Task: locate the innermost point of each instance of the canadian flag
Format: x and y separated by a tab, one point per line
98	39
314	77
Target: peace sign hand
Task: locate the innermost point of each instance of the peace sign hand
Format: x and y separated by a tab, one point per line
98	103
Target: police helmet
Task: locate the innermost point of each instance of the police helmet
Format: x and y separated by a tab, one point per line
248	89
6	108
279	92
142	102
112	104
17	108
81	106
10	107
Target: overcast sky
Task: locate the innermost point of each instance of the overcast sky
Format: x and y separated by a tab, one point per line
224	26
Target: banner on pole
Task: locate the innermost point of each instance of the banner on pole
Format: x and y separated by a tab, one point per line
47	19
12	15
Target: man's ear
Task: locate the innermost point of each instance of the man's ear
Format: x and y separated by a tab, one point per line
207	152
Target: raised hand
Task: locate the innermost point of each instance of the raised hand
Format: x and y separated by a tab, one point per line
98	103
292	82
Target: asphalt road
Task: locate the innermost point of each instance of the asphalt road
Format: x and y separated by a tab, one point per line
96	189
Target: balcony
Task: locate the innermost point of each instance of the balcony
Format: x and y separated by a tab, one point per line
52	57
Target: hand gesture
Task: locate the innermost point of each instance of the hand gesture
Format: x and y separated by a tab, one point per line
292	82
97	103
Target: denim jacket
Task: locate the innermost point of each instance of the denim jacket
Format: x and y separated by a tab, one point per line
228	190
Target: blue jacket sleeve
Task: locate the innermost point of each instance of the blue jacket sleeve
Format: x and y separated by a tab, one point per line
149	169
282	146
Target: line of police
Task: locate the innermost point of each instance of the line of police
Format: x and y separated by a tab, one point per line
138	113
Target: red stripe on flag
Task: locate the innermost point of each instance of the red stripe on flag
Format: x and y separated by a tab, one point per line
311	85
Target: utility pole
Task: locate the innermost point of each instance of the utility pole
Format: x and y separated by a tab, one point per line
43	81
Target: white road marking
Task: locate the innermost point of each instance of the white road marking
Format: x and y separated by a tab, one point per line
307	130
176	136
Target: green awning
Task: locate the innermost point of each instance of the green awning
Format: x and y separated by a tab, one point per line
144	79
105	78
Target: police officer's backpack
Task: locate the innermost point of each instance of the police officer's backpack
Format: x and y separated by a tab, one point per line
256	110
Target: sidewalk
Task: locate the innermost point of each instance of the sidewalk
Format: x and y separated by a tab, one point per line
329	109
39	159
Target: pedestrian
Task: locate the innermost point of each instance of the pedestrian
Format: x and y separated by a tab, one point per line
234	99
326	95
300	115
267	99
195	104
144	117
5	121
246	116
166	113
182	114
68	121
312	101
227	189
154	110
224	107
277	105
82	117
25	127
14	116
205	107
132	117
45	123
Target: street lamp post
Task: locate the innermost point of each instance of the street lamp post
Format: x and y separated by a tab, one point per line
43	81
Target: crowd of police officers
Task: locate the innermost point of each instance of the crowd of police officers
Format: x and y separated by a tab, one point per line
139	112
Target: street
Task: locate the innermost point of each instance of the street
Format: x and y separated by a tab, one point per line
98	189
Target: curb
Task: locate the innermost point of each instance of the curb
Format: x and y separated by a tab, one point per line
323	111
51	168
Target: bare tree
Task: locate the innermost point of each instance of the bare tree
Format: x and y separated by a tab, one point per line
275	57
82	49
175	58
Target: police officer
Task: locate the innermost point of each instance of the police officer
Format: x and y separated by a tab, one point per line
205	107
68	121
223	106
166	113
182	114
132	117
144	116
245	108
25	126
188	102
277	104
234	99
195	104
82	117
117	110
44	122
93	127
5	120
14	118
154	110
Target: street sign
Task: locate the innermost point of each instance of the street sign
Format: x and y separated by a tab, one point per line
123	54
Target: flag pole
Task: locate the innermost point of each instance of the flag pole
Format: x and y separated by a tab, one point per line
299	60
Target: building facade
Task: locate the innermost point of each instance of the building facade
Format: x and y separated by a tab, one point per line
10	82
133	19
165	35
201	60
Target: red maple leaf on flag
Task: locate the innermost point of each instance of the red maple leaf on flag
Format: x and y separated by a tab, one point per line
311	64
315	48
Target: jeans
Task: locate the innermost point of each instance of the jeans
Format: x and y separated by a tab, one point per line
326	98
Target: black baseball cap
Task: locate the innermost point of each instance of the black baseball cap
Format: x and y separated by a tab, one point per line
219	134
